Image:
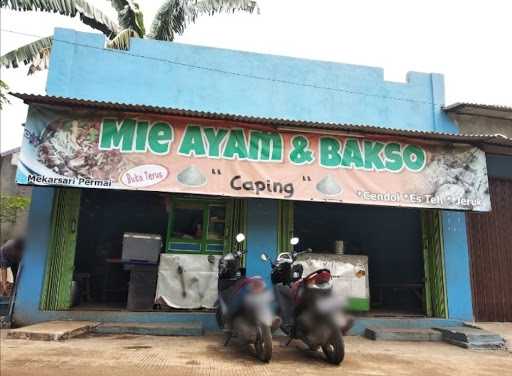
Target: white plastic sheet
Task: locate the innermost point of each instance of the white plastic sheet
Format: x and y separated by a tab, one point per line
349	272
195	287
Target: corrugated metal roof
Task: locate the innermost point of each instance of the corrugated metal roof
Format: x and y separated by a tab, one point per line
9	152
475	109
481	139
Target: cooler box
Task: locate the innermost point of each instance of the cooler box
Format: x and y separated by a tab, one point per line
141	247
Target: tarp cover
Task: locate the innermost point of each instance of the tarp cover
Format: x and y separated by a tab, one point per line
187	281
349	272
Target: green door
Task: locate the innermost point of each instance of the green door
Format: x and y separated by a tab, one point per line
61	251
285	230
433	257
236	222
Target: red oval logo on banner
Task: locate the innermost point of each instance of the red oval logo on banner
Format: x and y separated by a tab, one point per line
144	175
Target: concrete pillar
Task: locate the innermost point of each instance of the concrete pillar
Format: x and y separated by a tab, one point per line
457	268
33	264
262	221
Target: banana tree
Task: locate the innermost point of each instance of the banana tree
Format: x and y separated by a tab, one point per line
172	18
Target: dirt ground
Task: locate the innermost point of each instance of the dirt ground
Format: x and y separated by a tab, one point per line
127	355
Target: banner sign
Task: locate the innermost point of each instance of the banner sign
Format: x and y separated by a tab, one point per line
93	149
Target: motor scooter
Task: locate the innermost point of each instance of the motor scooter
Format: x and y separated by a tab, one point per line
307	306
244	304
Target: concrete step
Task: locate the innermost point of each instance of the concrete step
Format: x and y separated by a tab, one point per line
193	328
471	337
52	330
402	334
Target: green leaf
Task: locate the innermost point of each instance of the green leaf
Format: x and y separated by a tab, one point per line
10	206
211	7
122	40
129	16
174	15
89	14
37	51
119	5
4	88
169	20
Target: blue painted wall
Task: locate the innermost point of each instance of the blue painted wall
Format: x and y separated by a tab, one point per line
242	83
456	259
261	236
33	264
217	80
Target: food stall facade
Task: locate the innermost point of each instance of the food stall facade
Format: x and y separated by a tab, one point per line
186	181
318	97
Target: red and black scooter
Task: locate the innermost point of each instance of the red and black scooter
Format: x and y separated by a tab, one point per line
244	305
307	306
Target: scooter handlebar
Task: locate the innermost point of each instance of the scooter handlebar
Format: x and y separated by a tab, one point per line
296	254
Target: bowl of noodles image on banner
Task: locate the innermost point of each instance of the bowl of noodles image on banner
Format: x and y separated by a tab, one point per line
29	163
191	177
69	148
329	186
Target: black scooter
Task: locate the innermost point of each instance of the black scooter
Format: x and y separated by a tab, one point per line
244	305
307	306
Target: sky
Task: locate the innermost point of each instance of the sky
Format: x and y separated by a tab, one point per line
469	41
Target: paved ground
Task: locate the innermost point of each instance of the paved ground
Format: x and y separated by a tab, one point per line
125	355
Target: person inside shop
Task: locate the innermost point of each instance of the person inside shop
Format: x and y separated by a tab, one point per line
10	256
193	231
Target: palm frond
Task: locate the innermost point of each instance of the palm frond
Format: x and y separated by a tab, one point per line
40	62
211	7
89	14
122	40
119	4
169	20
36	52
174	15
129	15
4	88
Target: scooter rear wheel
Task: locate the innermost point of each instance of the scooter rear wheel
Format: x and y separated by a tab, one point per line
334	349
263	345
218	317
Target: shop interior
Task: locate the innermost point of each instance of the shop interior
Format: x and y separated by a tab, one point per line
102	280
390	237
111	274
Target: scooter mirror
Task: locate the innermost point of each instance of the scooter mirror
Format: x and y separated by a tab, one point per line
294	241
264	257
240	238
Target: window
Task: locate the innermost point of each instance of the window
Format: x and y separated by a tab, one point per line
196	226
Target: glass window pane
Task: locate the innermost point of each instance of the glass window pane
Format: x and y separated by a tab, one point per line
187	223
216	222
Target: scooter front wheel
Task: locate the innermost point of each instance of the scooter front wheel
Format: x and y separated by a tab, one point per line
263	344
334	349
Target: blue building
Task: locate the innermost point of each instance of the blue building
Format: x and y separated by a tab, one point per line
418	256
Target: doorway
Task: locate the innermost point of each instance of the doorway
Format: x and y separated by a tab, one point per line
104	217
390	238
491	255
